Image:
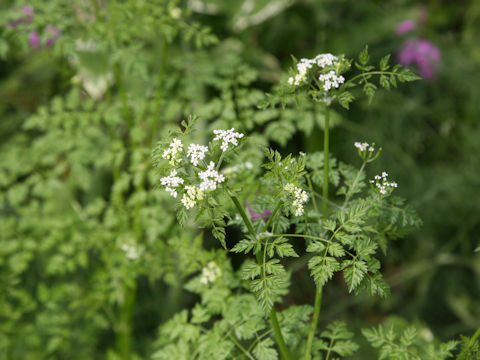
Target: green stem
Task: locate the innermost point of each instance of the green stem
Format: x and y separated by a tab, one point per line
319	292
325	161
329	349
310	185
245	218
370	73
279	205
352	188
313	327
124	328
273	315
278	334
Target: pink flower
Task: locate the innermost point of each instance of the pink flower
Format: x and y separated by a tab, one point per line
25	17
405	27
421	53
256	216
34	39
54	32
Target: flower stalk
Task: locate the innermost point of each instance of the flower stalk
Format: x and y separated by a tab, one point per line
319	292
273	314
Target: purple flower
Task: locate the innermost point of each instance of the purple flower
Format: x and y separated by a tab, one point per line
54	32
405	27
421	53
256	216
25	18
34	39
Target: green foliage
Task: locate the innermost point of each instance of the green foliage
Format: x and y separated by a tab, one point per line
213	329
94	255
406	345
469	347
336	341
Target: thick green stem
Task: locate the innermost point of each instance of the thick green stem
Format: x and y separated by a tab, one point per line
319	292
273	315
278	335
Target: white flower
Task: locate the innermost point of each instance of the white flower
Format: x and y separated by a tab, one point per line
331	79
173	153
227	137
383	186
368	152
131	251
323	60
362	146
210	273
300	197
210	178
191	196
171	181
196	153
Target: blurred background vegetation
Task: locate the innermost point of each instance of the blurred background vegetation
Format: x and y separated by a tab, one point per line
88	87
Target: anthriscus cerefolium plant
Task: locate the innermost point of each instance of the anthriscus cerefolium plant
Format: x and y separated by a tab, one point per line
284	208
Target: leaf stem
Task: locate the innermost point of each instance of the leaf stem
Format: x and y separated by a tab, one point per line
371	73
273	315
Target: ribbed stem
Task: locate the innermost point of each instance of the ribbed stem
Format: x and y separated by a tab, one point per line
273	315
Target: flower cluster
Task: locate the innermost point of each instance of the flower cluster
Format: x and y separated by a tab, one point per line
26	17
210	273
174	152
423	54
191	196
381	183
171	181
366	151
210	178
204	178
131	251
363	146
196	153
227	137
300	197
330	80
